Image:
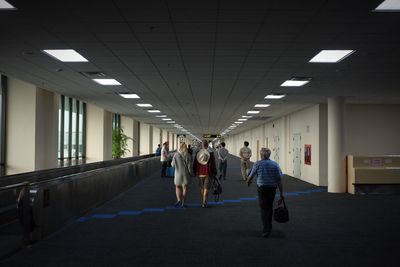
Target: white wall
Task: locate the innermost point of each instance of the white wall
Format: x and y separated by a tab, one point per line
305	122
372	129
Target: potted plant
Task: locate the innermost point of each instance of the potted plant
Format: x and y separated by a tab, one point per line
119	143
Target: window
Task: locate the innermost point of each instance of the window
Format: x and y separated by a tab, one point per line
71	131
116	122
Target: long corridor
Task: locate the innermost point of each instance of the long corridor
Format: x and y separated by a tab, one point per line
141	227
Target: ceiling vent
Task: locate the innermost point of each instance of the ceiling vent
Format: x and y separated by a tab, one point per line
94	74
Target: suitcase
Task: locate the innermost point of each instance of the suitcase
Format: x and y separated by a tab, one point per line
170	172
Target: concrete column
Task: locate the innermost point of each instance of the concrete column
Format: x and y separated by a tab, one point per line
136	138
164	137
46	129
336	157
144	138
156	139
21	116
151	134
98	134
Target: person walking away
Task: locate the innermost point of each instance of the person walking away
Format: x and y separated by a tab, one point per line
204	167
164	159
181	163
245	155
223	163
269	177
158	150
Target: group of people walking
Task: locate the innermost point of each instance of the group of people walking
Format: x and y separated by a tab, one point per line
267	173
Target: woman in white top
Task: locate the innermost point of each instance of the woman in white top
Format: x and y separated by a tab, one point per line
181	163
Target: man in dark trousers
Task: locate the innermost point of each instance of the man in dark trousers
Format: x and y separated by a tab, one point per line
269	176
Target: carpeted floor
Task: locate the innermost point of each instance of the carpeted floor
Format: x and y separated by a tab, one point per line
142	228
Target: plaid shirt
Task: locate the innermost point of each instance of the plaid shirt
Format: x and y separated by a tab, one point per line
267	171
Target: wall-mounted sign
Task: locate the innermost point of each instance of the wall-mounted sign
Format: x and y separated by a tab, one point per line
307	154
211	136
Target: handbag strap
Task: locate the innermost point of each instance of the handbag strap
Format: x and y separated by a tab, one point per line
284	203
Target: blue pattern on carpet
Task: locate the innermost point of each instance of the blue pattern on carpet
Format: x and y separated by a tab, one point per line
190	205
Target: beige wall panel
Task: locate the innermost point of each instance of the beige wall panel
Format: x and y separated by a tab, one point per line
372	130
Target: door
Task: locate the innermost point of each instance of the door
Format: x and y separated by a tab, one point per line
297	155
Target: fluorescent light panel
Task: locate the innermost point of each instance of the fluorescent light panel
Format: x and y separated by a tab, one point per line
244	116
294	83
239	122
166	119
389	5
261	105
106	81
129	95
5	5
253	112
65	55
144	105
277	96
331	56
153	111
161	116
242	119
170	121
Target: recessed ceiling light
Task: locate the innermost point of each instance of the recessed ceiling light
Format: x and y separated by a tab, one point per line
389	5
153	111
5	5
296	82
253	112
65	55
166	119
244	116
261	105
275	96
126	95
161	116
239	122
107	81
331	56
242	119
144	105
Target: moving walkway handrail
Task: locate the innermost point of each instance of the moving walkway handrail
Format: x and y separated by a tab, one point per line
13	186
57	172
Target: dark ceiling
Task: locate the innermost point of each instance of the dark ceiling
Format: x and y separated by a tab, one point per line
205	63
